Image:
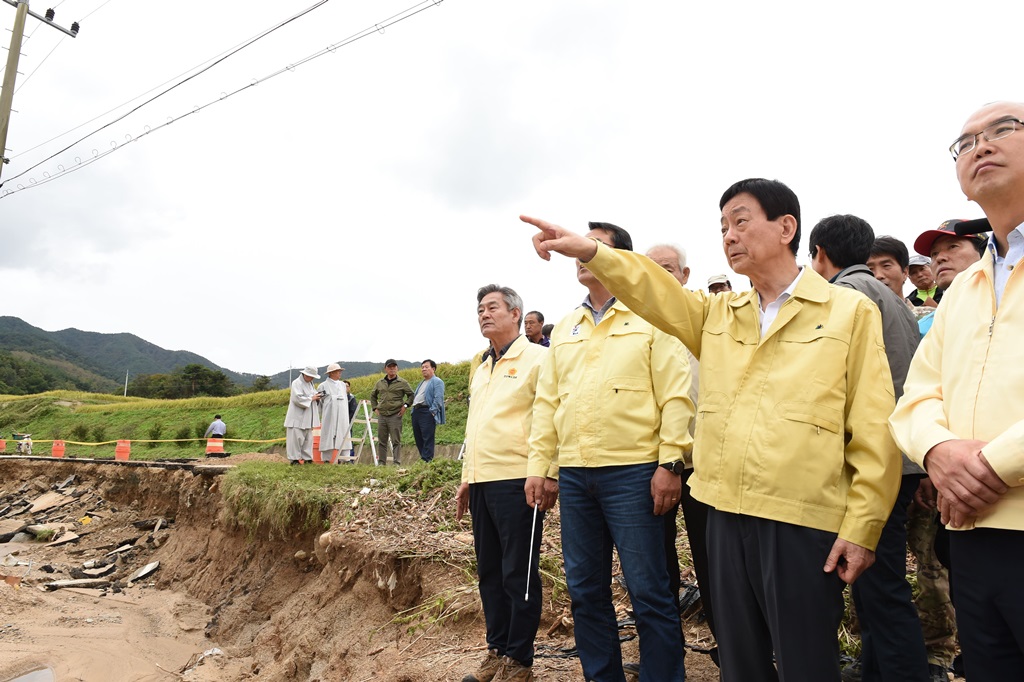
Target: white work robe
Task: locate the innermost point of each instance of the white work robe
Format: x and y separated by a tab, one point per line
300	415
334	426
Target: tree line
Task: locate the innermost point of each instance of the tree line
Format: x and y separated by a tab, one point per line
191	381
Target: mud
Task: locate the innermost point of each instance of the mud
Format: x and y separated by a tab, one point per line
259	608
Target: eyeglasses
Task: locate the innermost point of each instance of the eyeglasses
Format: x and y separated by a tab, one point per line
996	131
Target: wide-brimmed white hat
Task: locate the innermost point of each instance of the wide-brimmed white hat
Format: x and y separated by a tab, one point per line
311	373
334	367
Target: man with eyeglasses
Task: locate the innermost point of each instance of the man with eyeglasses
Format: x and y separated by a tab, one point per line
961	412
791	450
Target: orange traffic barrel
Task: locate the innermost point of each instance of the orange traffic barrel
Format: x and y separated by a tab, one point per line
316	446
214	447
3	446
58	449
123	450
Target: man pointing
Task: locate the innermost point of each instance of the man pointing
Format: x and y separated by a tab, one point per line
791	451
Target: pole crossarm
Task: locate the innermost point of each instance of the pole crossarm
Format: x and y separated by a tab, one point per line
11	71
73	31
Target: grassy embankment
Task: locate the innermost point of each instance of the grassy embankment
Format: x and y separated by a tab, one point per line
94	417
278	499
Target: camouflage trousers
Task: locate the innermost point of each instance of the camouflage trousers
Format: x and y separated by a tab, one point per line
938	620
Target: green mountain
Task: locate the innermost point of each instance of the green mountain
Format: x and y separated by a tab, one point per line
87	361
34	360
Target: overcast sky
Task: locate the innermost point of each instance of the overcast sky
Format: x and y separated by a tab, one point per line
349	209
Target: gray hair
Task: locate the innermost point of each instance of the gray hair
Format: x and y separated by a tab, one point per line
680	252
512	300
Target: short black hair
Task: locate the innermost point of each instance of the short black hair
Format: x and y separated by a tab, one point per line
776	200
887	245
847	240
433	364
216	416
539	314
547	329
620	238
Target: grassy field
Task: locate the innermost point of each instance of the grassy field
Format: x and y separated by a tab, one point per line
90	418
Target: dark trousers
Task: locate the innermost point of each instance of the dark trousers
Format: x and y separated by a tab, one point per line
695	515
423	426
767	577
989	596
890	629
501	537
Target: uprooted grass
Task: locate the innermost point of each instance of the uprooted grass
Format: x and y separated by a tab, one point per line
278	499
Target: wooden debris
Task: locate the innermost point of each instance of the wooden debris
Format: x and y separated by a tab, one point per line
99	572
50	500
143	572
11	526
64	539
120	550
86	582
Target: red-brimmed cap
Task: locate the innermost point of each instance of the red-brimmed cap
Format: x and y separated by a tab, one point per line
923	244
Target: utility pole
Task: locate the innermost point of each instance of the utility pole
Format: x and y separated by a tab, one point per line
11	72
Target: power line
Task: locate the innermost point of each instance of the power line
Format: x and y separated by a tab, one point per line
52	50
377	28
38	66
92	12
176	85
127	102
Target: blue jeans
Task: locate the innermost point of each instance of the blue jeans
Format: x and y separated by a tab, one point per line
602	507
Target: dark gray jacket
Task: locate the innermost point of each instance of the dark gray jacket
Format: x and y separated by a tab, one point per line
899	329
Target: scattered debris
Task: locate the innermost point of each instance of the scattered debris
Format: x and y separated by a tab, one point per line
64	538
152	524
197	659
143	572
120	550
99	572
49	500
85	582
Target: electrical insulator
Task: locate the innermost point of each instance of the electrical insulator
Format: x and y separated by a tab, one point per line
74	28
50	14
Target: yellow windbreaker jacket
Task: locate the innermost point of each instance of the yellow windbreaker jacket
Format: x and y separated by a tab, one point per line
610	395
965	382
500	414
792	426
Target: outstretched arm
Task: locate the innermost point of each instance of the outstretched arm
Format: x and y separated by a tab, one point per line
560	240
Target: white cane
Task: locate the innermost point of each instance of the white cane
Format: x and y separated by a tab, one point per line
529	558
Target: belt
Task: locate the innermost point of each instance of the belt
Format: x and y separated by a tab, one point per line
421	406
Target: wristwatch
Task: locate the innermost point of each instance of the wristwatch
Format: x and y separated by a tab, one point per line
677	467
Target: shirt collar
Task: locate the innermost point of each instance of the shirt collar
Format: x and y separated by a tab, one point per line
599	314
785	294
1016	236
489	353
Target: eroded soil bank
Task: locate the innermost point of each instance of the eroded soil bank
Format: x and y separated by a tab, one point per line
383	595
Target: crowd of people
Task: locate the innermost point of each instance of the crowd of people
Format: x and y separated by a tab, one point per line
811	429
330	407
